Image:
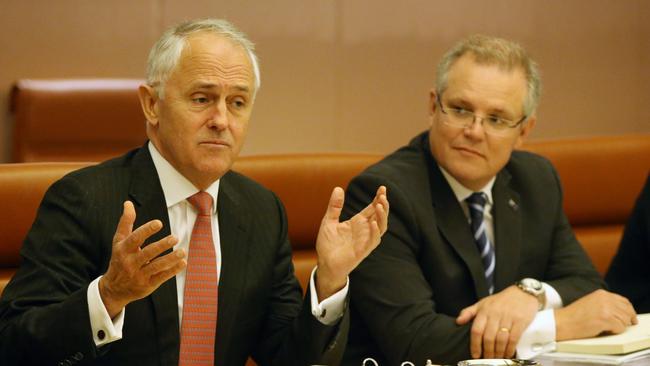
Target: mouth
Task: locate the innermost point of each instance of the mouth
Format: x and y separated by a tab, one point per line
215	143
468	151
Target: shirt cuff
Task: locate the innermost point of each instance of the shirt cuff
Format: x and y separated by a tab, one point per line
331	309
105	330
539	337
553	299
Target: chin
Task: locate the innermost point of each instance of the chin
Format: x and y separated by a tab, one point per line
215	167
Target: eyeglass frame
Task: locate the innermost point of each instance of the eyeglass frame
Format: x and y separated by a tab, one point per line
475	116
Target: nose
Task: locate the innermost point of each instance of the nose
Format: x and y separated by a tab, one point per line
475	129
219	116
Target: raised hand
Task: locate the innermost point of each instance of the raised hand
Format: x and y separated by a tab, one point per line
341	246
499	321
135	272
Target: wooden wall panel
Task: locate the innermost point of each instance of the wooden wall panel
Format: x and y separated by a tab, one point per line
353	75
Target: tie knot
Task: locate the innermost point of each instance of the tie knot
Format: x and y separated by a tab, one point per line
477	199
202	201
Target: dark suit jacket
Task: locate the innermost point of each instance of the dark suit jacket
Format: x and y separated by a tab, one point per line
44	311
406	294
629	273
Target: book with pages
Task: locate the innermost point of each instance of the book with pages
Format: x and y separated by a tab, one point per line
635	338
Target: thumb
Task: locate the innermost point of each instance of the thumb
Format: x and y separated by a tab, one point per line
466	315
335	204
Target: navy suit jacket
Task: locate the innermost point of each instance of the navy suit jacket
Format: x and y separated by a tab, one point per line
629	273
405	296
44	311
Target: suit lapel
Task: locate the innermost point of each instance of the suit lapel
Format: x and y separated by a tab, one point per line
507	231
148	198
234	224
454	226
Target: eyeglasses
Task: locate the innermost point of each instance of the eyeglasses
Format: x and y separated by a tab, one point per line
463	118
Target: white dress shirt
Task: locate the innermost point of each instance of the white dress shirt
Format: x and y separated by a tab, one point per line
540	335
182	215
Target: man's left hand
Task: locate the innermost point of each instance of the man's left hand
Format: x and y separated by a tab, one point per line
341	246
499	321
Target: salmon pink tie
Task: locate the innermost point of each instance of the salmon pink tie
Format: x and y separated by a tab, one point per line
199	323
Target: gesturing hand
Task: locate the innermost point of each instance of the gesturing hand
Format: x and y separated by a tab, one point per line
499	321
341	246
135	272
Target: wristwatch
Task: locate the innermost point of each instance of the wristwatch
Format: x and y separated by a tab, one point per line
535	288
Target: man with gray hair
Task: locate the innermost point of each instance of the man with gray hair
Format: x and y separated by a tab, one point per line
479	260
164	256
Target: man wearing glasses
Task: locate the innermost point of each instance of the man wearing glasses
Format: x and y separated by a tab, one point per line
479	260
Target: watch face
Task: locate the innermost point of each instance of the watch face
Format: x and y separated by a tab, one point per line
532	283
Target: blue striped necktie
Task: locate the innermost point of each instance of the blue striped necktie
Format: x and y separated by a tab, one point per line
476	203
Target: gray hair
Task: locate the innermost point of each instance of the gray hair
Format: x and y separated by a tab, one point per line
494	51
166	53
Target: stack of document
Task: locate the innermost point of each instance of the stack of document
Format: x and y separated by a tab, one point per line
630	348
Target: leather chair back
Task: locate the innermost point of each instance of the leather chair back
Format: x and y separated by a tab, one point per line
601	178
75	119
22	187
304	183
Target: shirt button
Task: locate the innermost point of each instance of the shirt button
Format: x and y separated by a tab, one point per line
101	335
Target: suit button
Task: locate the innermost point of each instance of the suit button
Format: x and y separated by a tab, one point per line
101	335
78	356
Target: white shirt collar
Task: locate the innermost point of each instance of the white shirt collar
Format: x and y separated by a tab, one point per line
175	186
461	192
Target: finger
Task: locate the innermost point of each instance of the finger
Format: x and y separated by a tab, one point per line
516	331
125	225
381	194
617	325
135	240
335	204
476	339
489	337
164	263
628	310
384	200
153	250
369	211
466	315
620	321
624	311
502	341
375	237
165	275
382	217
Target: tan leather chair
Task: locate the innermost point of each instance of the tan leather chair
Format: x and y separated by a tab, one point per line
22	187
304	183
75	119
601	178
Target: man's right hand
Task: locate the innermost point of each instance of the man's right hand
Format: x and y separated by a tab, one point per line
135	272
593	314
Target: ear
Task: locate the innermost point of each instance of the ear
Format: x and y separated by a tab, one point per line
525	131
149	103
432	102
432	106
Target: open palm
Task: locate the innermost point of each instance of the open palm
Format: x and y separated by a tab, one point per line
341	246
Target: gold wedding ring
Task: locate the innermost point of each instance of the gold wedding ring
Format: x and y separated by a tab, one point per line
504	329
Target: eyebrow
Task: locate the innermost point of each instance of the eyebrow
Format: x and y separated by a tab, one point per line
466	103
208	85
